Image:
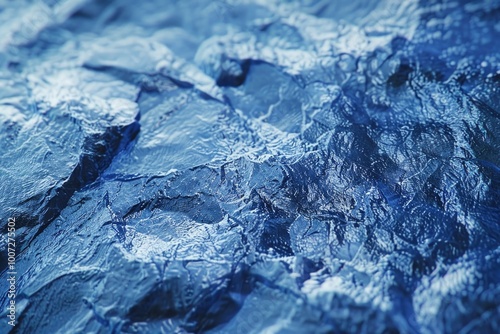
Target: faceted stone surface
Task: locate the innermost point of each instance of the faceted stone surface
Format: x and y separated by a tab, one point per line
251	166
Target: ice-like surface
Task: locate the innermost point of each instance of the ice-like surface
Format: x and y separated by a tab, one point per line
251	166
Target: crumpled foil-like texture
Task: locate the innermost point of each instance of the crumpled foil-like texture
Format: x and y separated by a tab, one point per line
251	166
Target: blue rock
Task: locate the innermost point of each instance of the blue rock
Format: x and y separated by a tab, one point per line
250	166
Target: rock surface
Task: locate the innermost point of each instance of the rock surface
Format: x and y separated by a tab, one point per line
251	166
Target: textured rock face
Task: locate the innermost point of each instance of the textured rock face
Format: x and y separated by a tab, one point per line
251	166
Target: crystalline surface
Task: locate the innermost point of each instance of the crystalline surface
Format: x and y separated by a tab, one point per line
251	166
